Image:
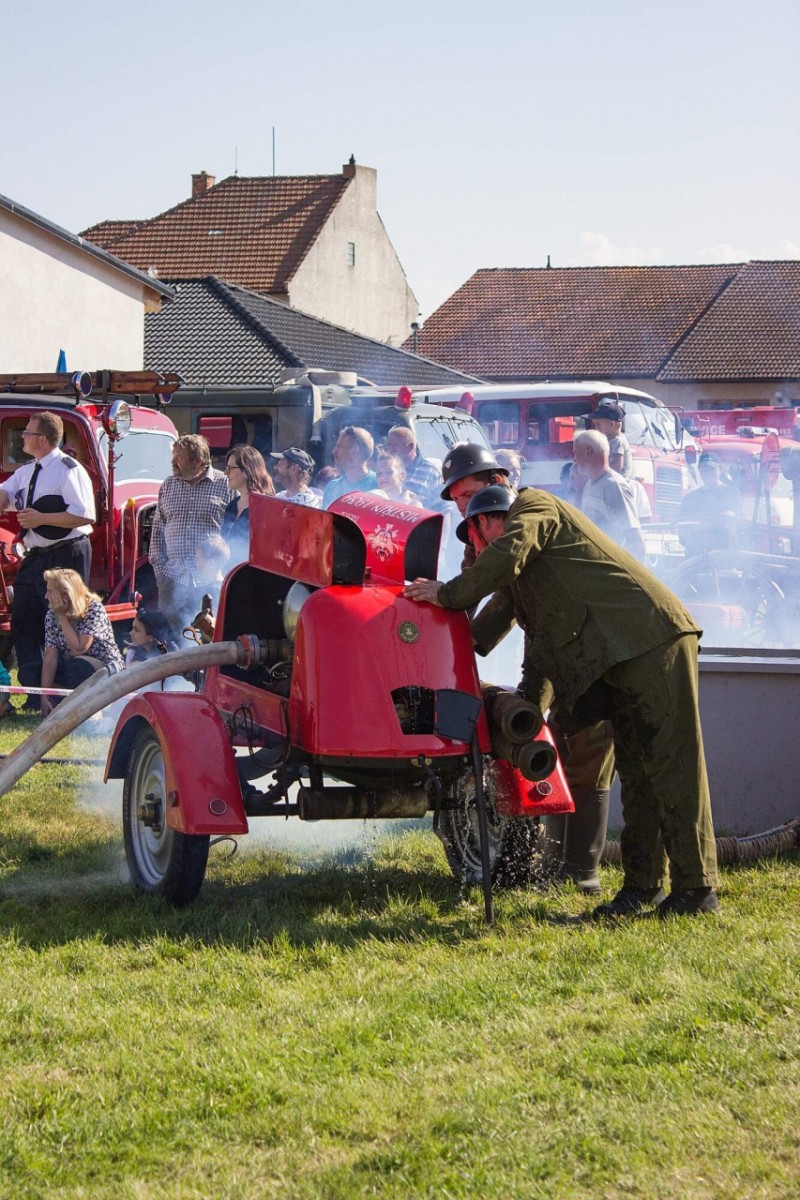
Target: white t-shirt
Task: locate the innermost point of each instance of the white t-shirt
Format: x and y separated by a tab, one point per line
609	501
309	498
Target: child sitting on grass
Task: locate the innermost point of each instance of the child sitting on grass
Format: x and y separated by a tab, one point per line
150	636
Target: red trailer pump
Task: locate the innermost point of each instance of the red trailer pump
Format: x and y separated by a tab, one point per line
362	702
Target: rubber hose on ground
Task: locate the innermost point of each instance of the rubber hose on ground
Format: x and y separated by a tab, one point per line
732	850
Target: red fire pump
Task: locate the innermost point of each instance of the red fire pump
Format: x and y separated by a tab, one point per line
356	703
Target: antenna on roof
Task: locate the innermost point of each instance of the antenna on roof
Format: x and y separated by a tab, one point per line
273	151
236	160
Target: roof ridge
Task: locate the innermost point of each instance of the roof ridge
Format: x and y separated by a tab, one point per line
225	291
627	267
694	324
363	337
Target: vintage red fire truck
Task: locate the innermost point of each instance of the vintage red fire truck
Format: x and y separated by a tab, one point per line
749	422
126	449
354	702
539	421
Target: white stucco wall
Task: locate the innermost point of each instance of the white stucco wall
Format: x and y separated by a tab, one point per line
55	296
371	297
731	392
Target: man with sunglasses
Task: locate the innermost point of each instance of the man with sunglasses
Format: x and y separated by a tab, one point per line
617	645
52	494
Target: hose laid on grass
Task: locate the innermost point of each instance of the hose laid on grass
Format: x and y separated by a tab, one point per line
101	689
732	850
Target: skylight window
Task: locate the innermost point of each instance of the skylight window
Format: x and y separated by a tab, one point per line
214	232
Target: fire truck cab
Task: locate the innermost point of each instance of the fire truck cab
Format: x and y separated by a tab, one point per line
127	452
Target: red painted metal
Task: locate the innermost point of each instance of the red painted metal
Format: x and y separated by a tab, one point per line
199	762
518	797
350	657
291	540
393	534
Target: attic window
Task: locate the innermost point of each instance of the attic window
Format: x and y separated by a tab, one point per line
351	254
214	232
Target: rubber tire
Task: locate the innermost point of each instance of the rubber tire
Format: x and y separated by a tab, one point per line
169	864
513	842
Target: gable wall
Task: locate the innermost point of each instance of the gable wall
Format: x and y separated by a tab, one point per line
373	297
53	296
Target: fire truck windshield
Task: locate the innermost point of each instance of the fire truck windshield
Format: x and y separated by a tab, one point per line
143	454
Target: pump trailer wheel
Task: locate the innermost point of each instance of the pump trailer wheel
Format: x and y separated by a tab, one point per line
162	861
513	841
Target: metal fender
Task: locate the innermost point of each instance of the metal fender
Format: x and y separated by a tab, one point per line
516	796
202	782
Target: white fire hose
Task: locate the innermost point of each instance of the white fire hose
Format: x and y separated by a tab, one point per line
102	689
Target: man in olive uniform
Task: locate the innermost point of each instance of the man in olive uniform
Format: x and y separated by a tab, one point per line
617	645
574	844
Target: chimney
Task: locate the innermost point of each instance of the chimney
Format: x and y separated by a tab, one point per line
349	168
201	183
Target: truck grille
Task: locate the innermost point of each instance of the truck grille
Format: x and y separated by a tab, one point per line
669	492
146	516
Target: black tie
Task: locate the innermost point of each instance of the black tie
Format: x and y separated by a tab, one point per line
32	485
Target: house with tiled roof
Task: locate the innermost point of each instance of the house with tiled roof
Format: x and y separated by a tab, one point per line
313	242
61	293
692	335
216	334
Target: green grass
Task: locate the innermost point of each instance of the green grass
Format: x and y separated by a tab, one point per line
348	1030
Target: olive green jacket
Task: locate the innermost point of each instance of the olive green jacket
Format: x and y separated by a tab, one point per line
584	602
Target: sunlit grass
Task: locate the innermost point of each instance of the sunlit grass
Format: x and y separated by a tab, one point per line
340	1026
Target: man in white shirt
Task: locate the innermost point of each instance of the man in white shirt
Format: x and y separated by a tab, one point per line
54	500
294	469
607	498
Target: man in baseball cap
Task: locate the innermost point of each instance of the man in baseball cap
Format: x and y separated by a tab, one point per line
294	469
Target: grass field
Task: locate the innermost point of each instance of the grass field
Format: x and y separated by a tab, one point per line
351	1028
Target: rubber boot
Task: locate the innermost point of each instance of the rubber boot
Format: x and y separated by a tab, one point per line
586	837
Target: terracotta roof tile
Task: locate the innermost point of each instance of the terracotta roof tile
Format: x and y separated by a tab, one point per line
217	334
107	233
577	322
255	230
751	332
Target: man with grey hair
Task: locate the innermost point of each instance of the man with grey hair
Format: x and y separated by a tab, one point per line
607	499
353	449
423	477
191	504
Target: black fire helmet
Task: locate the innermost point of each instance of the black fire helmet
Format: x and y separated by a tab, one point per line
467	458
492	499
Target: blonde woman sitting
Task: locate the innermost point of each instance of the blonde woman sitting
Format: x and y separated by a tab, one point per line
78	636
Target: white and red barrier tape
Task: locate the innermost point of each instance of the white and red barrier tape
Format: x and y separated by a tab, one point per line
31	691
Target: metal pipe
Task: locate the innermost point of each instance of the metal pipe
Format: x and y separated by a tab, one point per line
483	829
516	719
102	689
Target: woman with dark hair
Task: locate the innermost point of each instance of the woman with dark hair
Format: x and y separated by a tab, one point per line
247	473
150	636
